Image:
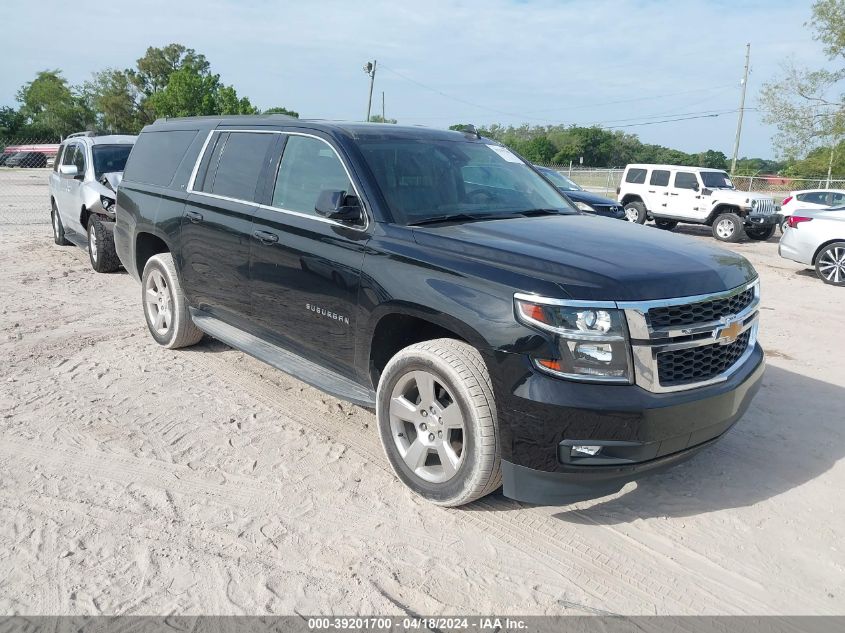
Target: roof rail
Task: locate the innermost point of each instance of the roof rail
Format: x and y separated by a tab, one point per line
75	134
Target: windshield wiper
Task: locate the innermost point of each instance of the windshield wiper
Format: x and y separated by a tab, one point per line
458	217
535	212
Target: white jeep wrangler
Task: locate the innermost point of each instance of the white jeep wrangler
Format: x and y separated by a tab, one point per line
670	194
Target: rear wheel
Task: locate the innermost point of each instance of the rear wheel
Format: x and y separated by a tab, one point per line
728	227
101	249
438	424
165	305
666	225
635	212
58	228
830	264
760	234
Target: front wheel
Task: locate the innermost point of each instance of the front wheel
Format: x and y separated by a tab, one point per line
58	229
165	305
438	424
760	233
830	264
636	212
101	249
728	227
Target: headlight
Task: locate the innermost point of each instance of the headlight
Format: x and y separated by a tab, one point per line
583	206
753	204
107	203
592	340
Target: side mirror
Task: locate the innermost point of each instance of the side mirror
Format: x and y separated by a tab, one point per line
706	191
695	187
68	171
338	205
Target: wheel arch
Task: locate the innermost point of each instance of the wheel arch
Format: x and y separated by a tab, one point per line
631	197
148	244
720	209
823	246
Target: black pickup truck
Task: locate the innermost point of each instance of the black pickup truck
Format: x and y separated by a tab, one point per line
502	337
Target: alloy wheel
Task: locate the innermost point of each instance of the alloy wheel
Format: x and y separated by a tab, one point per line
832	264
92	243
158	301
55	224
427	426
632	214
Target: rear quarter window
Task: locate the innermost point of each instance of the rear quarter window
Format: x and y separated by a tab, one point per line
156	155
635	176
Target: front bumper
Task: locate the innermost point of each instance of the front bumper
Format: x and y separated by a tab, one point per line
763	220
640	432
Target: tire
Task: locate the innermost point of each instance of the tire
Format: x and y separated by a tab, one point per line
458	383
728	227
760	234
830	264
636	212
58	228
161	294
101	249
666	225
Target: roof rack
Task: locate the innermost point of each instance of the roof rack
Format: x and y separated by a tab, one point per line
75	134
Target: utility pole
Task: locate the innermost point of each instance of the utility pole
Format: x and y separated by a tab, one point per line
383	120
830	162
370	69
741	108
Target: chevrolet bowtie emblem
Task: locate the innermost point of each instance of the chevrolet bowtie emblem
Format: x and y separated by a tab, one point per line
729	333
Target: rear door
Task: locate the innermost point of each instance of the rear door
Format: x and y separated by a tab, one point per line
305	269
217	223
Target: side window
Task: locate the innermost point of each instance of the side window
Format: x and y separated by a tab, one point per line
635	176
837	199
79	158
686	180
58	160
659	178
156	156
241	159
69	155
814	197
309	166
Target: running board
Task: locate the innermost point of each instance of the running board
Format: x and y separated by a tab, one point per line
320	377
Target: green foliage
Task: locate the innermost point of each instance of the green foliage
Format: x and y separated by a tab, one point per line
377	118
116	101
50	108
280	110
153	70
816	163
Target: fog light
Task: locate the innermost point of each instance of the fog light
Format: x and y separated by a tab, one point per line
585	450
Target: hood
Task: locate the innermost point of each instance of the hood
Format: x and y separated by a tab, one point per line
737	197
591	198
595	258
111	180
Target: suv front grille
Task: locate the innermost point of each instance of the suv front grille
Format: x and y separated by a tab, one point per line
696	364
701	312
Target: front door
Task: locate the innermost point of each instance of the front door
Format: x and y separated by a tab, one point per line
305	269
217	223
685	200
68	190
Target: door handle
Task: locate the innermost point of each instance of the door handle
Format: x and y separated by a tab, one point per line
673	194
193	216
651	191
265	237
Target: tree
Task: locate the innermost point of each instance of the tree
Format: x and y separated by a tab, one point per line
49	107
280	110
153	70
712	159
229	103
116	101
10	121
803	104
377	118
187	93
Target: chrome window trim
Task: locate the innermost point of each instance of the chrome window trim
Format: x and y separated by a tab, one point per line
268	207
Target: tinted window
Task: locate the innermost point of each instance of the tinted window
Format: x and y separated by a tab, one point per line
79	159
239	166
110	158
70	152
659	178
157	155
635	176
685	180
559	180
837	199
308	167
815	197
716	180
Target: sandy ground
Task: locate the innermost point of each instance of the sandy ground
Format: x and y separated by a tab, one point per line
137	480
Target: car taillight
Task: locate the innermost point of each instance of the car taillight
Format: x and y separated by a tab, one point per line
786	201
795	220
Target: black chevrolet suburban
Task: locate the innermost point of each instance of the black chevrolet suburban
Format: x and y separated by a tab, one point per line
502	337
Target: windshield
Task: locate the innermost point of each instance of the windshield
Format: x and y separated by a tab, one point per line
716	180
559	180
426	179
109	158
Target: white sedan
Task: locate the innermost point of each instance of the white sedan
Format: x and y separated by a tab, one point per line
817	238
811	199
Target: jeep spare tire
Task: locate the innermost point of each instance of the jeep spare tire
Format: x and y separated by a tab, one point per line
728	227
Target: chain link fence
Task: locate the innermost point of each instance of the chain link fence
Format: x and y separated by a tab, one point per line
605	182
24	169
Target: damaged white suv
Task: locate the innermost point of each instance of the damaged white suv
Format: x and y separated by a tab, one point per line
670	194
83	187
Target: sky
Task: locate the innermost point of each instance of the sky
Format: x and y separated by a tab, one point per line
611	62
